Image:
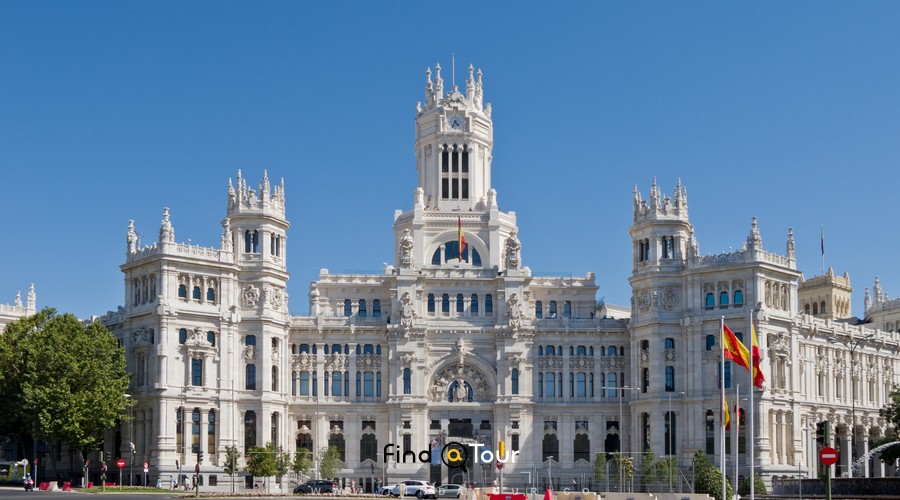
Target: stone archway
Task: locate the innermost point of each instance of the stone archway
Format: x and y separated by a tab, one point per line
463	377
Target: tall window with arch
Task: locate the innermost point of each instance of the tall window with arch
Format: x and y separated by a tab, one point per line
250	377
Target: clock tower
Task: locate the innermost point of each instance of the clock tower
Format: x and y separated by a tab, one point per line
454	136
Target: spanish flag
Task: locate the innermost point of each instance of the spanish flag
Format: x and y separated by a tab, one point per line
726	416
462	238
734	349
758	377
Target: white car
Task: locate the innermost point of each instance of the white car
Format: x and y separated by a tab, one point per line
418	489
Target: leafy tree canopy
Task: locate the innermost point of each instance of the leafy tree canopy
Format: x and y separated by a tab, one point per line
63	379
330	463
708	479
302	461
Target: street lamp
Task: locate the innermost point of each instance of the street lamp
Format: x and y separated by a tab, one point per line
130	440
550	470
852	346
671	442
621	433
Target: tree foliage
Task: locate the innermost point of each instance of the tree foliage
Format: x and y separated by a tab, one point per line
891	413
758	489
330	463
302	462
600	466
231	460
260	462
61	378
708	478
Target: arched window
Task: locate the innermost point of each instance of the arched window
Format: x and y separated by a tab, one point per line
376	308
670	343
250	340
806	308
738	298
431	303
337	440
196	293
645	345
250	378
723	299
211	294
538	310
567	309
582	447
552	314
710	432
460	303
550	447
710	300
368	384
488	304
515	381
436	257
348	307
211	338
822	307
611	350
580	351
336	385
182	335
445	303
378	350
182	291
815	308
362	308
551	350
407	381
710	342
473	304
304	348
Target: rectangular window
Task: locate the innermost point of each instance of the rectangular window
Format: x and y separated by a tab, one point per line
196	372
670	379
514	442
407	381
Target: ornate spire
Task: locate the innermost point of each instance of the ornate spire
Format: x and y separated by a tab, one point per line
429	89
166	231
227	244
31	301
470	84
867	301
878	293
438	83
479	93
754	240
18	302
791	250
131	238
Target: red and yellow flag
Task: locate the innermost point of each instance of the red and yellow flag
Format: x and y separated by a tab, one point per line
726	416
734	348
461	237
758	377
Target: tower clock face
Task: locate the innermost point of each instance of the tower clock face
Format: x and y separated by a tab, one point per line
455	122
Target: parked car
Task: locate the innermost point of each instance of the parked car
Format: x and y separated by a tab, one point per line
386	490
316	486
418	489
449	491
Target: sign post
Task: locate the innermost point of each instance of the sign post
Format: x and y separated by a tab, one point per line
146	470
828	456
120	463
500	468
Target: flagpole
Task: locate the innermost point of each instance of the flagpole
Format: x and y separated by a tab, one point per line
822	241
737	432
722	404
752	409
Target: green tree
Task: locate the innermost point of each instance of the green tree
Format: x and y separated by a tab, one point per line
891	413
330	463
84	397
623	467
231	460
260	462
302	462
708	479
667	470
648	469
282	459
758	489
599	466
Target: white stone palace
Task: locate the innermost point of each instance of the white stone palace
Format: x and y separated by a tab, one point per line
474	347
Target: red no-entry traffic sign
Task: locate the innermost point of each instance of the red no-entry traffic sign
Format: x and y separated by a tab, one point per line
828	456
120	463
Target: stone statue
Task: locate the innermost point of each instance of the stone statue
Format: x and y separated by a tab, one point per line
251	295
460	393
514	311
406	250
513	250
131	238
407	310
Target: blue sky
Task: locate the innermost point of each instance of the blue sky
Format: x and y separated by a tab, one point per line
109	111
